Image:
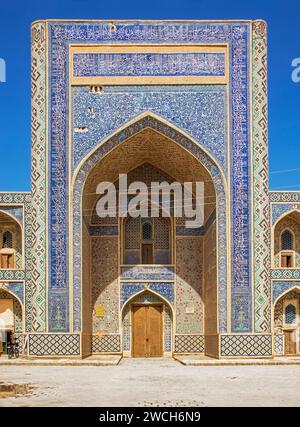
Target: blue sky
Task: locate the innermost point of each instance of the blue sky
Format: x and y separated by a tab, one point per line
284	96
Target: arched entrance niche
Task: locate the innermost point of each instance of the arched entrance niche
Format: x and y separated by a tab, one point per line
10	242
138	337
198	272
11	317
286	241
287	323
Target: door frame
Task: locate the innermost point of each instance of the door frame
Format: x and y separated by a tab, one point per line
296	335
142	304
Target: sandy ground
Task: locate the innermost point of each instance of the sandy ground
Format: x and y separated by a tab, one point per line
154	382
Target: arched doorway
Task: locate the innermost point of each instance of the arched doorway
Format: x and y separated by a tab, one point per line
147	326
10	242
287	323
193	267
286	241
11	318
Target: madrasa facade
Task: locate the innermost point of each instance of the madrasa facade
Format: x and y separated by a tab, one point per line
161	101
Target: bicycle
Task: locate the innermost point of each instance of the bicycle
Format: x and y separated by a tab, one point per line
13	350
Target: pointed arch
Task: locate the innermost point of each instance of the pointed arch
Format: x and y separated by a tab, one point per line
287	213
13	218
287	291
145	291
190	147
135	126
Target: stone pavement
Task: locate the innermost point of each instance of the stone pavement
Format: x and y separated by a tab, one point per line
100	360
154	382
195	360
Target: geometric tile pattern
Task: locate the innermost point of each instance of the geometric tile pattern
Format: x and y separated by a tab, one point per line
246	345
167	328
261	252
189	344
19	338
38	175
285	273
106	343
54	344
285	196
279	344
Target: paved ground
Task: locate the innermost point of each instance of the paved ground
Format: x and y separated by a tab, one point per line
156	382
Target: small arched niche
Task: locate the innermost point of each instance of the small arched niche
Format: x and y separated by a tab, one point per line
11	251
287	323
287	241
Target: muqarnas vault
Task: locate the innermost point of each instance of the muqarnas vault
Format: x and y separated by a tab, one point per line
159	101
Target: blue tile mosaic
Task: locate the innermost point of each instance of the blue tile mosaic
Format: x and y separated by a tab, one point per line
18	289
61	35
285	273
105	230
127	290
279	209
148	64
116	106
279	287
147	273
15	211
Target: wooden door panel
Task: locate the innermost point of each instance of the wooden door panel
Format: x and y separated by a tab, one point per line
139	331
289	343
147	253
147	331
155	330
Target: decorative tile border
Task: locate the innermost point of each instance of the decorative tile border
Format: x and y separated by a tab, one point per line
284	196
285	273
147	273
148	64
279	344
106	343
189	344
54	345
127	290
261	207
39	183
243	345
